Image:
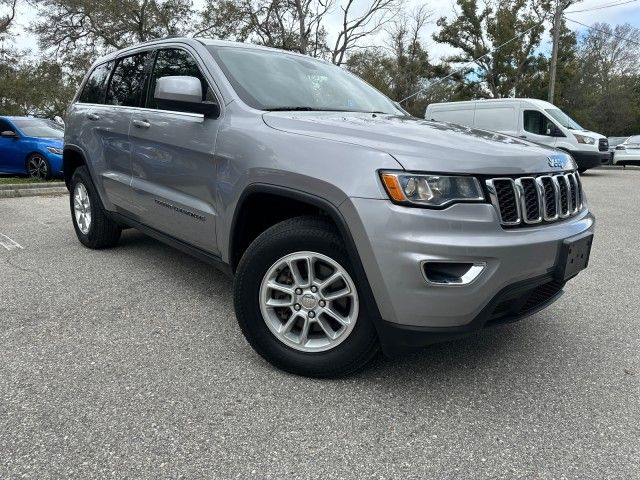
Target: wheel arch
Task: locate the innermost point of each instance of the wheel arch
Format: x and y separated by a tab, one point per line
257	192
72	158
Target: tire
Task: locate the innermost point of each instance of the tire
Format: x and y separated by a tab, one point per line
100	231
358	343
37	166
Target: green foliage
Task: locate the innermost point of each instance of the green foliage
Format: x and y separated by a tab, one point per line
33	87
476	30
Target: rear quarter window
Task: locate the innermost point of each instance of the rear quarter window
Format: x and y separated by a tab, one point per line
95	89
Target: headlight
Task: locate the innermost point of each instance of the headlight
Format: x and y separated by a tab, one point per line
431	190
57	151
585	140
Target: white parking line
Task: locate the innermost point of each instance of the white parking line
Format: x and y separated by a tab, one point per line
9	243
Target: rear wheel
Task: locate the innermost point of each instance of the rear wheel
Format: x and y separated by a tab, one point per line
92	225
298	302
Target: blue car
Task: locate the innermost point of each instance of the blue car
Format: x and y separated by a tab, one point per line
31	146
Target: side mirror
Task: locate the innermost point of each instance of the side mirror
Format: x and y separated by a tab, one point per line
183	94
9	134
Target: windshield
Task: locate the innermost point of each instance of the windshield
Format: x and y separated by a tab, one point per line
39	127
564	119
635	140
268	80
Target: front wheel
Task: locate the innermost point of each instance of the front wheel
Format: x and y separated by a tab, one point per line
297	301
38	167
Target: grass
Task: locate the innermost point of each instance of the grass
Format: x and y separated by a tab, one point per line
8	180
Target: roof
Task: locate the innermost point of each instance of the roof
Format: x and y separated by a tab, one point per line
191	41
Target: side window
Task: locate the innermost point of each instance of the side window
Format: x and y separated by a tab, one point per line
535	122
174	62
96	87
5	127
127	81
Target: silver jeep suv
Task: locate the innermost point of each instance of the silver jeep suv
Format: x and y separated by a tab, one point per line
348	225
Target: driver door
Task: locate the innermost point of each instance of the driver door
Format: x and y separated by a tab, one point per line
534	128
12	159
172	159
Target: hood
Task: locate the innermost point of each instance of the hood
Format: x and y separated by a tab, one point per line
423	145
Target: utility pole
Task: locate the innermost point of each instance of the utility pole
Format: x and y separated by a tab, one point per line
561	5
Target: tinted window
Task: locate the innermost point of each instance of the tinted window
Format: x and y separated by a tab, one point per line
174	62
39	127
95	88
127	81
5	127
535	122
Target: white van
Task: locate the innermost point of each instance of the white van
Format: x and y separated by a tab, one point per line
536	120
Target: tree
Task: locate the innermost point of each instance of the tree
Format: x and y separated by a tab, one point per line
7	19
403	69
356	27
33	87
298	25
477	30
288	24
68	26
604	93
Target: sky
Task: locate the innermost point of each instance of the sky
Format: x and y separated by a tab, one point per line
628	13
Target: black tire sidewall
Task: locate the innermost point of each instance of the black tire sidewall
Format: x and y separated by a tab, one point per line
275	243
103	232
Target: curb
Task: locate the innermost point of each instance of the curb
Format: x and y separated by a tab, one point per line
13	190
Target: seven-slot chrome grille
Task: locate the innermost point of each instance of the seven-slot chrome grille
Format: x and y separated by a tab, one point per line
532	200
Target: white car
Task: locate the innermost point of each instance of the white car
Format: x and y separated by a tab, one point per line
628	152
536	120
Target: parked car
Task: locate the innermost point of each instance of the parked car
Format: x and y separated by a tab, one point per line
628	152
613	143
31	146
348	225
535	120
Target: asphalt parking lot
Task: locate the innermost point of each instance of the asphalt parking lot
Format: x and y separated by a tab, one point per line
128	363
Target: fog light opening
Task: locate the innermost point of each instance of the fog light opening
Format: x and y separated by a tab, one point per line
451	273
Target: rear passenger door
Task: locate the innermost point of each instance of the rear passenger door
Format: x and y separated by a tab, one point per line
103	113
113	120
173	159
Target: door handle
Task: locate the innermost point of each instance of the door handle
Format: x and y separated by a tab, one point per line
93	116
523	136
141	124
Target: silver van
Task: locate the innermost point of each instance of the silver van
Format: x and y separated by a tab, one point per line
349	227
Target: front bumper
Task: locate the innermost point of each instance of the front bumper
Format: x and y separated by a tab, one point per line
393	241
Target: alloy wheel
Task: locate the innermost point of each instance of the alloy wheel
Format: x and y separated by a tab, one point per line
82	208
309	301
37	167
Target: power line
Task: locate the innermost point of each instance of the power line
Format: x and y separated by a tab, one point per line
471	62
609	5
604	31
